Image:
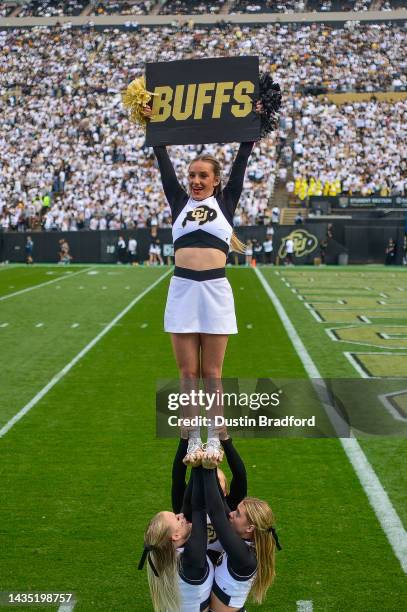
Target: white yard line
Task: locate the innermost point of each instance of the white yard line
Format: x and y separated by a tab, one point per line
17	417
313	312
362	373
54	280
304	605
377	496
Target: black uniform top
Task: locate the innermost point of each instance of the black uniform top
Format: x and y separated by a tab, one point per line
241	558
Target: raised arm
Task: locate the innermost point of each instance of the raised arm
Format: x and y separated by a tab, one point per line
234	186
241	557
174	193
238	485
193	558
179	471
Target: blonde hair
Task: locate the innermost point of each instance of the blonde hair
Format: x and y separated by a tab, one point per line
235	244
219	471
260	515
164	589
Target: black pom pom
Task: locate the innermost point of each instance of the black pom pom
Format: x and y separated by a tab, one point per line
270	98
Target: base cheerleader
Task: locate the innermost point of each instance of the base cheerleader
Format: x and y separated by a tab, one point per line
249	540
180	574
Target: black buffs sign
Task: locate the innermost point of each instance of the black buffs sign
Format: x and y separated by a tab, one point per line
205	100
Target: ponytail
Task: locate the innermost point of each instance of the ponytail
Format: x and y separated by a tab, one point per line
237	245
162	572
259	515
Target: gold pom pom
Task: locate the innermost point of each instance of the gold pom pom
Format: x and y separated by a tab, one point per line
135	98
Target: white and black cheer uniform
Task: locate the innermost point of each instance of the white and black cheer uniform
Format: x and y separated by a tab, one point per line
236	568
201	301
195	593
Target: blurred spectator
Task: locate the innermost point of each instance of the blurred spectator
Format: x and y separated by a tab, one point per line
289	247
390	253
275	215
64	254
249	252
121	250
29	249
257	251
132	248
268	250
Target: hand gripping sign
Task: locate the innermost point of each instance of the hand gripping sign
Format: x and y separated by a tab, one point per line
202	101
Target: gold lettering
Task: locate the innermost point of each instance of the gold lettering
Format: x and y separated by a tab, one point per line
221	98
161	103
202	98
177	113
243	98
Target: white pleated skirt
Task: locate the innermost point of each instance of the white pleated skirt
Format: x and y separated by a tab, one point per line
205	307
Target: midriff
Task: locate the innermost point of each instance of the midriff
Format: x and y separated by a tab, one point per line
196	258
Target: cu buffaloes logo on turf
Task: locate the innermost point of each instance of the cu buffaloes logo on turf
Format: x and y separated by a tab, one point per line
304	243
202	214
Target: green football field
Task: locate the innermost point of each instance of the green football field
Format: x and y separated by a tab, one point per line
82	472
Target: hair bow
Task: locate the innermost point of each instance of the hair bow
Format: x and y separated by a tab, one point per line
145	554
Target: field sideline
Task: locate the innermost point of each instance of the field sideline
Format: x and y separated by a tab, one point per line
82	472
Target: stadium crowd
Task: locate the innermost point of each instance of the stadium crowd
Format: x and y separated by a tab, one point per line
122	8
6	9
49	8
79	163
355	148
180	7
267	6
52	8
358	57
65	136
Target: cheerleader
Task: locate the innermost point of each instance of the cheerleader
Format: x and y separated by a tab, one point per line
158	252
247	565
200	312
152	254
249	253
180	574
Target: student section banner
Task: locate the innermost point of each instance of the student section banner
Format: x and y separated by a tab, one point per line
202	101
358	202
